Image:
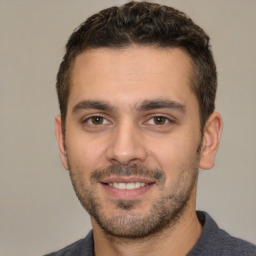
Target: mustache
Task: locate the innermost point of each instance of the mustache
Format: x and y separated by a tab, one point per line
156	175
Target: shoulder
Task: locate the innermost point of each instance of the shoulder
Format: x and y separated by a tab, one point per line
235	246
81	247
68	250
215	241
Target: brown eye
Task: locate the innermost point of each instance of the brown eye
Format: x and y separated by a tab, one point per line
95	123
159	120
96	120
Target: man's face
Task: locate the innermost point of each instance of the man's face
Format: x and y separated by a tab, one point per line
133	137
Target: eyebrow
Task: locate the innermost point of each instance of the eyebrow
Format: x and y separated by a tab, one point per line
160	103
92	104
146	105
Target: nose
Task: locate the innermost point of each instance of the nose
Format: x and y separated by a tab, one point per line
126	145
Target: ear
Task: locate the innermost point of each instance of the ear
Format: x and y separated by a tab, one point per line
61	142
211	141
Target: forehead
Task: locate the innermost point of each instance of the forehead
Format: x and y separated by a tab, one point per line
132	74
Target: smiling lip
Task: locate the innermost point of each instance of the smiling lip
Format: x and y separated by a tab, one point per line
126	187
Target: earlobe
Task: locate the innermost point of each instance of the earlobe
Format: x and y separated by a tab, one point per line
61	142
211	141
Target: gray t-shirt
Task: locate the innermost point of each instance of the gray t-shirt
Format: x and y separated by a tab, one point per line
212	242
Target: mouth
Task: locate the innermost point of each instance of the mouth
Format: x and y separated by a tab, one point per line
126	187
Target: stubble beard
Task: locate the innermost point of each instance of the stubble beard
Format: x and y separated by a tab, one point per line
165	211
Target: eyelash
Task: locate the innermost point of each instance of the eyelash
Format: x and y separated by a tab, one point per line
105	121
165	119
90	120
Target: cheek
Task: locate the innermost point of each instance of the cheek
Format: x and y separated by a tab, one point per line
174	153
84	155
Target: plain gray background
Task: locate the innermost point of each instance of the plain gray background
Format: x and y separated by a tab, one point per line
39	211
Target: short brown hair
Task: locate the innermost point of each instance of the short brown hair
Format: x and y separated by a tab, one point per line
143	23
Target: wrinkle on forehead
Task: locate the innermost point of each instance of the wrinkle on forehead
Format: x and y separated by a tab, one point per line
132	74
127	61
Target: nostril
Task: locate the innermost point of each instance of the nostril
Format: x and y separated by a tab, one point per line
125	161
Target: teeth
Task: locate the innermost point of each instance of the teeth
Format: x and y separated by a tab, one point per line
122	186
127	186
130	186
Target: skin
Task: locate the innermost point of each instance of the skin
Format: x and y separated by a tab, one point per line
128	133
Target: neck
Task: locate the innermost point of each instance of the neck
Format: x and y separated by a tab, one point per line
177	240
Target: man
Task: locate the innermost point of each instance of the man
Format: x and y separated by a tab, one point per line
136	92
